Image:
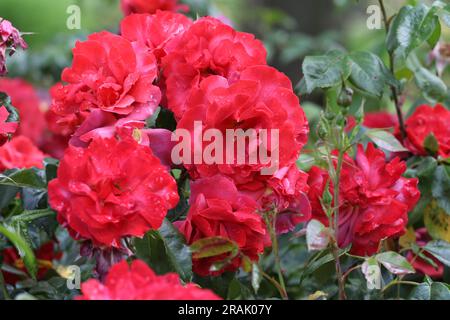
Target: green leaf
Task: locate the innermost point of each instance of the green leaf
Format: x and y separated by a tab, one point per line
26	178
435	36
176	249
316	264
395	263
432	87
214	247
372	273
25	251
431	144
439	249
326	71
165	251
369	73
211	247
411	28
430	291
441	187
316	237
236	290
444	11
385	140
51	168
7	194
437	221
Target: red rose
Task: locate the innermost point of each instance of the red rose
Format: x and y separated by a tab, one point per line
6	128
25	99
108	73
112	189
374	199
151	6
375	120
219	210
139	282
286	192
21	153
156	31
44	255
208	47
424	121
420	264
262	99
11	39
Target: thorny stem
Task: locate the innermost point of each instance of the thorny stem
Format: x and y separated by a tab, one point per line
393	88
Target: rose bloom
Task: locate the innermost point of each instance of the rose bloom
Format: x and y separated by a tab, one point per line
262	99
420	264
108	73
139	282
25	99
21	153
424	121
112	189
286	193
375	120
156	31
151	6
217	209
11	39
44	255
208	47
374	199
6	128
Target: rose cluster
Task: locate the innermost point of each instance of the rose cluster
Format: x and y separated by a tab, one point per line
114	180
111	183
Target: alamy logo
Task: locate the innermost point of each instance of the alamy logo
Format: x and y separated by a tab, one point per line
73	22
73	277
375	19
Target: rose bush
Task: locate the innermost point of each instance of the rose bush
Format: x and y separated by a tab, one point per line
353	203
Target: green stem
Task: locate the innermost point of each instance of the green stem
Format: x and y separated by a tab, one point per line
275	283
347	273
392	68
276	252
335	175
31	215
392	283
270	221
